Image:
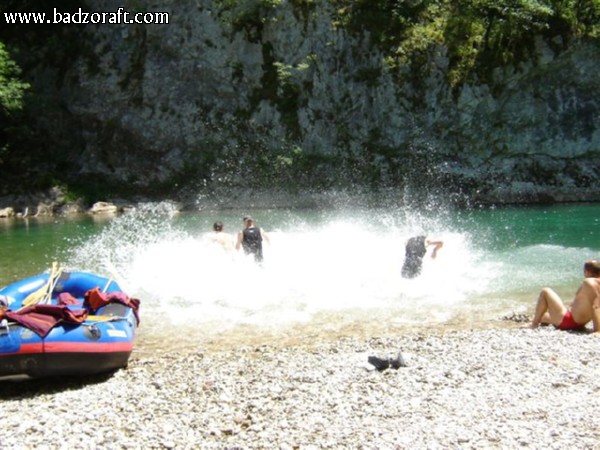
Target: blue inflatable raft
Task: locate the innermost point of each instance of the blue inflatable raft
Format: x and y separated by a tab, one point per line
65	323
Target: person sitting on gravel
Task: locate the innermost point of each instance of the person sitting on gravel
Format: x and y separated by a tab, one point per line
584	308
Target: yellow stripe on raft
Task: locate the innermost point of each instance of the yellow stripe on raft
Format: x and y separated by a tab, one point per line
99	318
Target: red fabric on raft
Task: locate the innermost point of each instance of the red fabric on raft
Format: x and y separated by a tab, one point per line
42	318
95	299
65	298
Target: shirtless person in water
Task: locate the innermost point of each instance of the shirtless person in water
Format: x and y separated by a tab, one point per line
220	237
584	307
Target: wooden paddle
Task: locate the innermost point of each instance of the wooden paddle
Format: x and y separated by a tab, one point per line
44	293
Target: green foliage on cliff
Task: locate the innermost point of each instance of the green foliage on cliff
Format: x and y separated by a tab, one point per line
479	35
247	15
36	140
12	90
12	87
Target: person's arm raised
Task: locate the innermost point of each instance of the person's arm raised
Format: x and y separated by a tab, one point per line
264	235
437	245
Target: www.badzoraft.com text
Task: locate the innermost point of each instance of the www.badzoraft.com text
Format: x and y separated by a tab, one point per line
81	17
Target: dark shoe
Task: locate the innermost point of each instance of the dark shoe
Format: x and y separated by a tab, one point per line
398	361
378	363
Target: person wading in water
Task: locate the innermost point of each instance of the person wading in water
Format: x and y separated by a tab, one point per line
220	237
251	238
416	248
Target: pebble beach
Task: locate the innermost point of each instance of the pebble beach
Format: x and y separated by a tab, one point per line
488	387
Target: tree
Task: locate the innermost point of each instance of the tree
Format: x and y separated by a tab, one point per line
11	100
11	87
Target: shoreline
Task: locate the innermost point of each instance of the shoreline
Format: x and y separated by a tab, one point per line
303	335
501	387
53	203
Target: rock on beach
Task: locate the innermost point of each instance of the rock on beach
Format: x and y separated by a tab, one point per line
482	388
55	202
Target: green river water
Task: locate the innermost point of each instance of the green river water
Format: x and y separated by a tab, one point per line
329	269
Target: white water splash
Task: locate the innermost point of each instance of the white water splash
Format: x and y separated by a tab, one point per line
334	265
320	267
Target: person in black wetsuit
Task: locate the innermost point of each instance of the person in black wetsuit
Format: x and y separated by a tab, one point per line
251	239
416	248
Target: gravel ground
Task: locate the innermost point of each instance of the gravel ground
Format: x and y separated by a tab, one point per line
482	388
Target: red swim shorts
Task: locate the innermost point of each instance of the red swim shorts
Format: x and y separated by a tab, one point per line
568	323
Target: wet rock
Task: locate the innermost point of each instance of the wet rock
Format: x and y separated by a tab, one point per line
103	208
70	208
7	212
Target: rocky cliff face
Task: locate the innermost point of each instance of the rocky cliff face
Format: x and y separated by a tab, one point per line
202	103
535	133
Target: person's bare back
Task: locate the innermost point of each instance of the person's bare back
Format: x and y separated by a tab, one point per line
219	236
582	306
